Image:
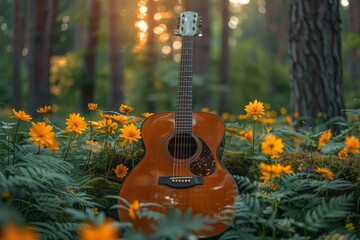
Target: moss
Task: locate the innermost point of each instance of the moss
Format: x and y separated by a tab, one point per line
235	163
100	187
300	161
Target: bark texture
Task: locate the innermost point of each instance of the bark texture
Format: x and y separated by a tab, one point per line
315	59
88	83
16	43
224	57
38	89
115	57
354	55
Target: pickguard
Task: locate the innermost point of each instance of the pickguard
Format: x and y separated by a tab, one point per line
204	165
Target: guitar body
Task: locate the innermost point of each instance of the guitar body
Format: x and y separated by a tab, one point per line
195	180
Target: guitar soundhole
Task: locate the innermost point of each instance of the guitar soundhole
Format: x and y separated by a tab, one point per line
182	146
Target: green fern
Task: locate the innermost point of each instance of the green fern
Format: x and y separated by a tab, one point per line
56	230
175	224
329	214
245	184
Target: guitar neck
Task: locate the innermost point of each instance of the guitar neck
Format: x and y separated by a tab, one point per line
183	118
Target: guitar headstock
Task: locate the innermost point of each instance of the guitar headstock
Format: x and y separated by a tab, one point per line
189	24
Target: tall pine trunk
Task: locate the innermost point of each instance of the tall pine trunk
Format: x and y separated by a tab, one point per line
87	87
38	90
202	51
114	45
150	55
16	60
52	6
224	57
315	60
354	27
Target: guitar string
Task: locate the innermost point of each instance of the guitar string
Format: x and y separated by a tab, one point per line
183	121
189	103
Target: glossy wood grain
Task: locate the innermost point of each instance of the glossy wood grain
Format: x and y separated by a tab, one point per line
210	199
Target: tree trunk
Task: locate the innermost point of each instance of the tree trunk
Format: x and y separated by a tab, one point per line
150	59
16	82
114	44
354	26
88	82
224	58
202	52
282	43
79	29
315	60
38	90
49	42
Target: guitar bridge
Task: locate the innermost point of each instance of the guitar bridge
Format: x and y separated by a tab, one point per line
181	182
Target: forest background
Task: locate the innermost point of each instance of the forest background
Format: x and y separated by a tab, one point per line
70	53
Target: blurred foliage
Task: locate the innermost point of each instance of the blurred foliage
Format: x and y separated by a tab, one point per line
255	68
57	191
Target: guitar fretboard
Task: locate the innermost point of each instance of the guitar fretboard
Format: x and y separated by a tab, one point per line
183	119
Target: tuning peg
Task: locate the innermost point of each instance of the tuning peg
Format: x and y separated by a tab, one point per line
199	33
176	32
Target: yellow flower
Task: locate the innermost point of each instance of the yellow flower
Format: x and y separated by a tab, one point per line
21	115
135	120
267	106
92	106
342	154
324	138
350	227
283	110
205	109
277	169
75	123
45	109
130	133
269	171
231	130
268	121
125	108
246	135
13	232
272	146
147	114
352	144
54	147
287	169
288	120
95	211
92	146
133	209
326	173
121	118
106	230
41	134
242	117
255	110
296	115
225	116
106	116
5	195
105	126
120	171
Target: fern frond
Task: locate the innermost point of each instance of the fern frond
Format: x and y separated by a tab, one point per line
176	224
245	185
247	206
56	230
329	214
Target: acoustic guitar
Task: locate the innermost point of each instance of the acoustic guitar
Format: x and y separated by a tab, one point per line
181	167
